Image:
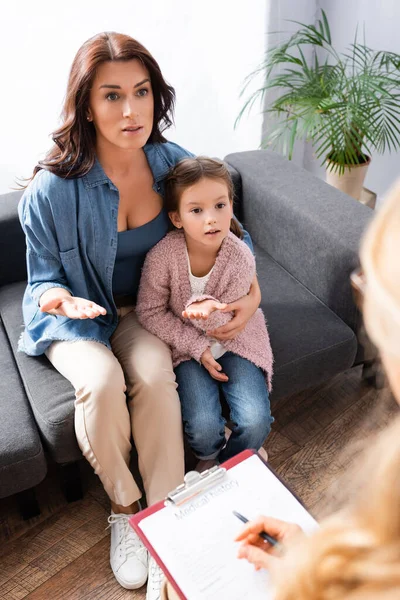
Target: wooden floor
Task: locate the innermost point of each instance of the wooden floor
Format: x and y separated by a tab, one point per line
63	553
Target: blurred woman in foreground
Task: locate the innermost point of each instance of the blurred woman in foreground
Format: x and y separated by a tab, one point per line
356	553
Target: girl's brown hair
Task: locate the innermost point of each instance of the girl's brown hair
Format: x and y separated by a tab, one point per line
189	171
73	153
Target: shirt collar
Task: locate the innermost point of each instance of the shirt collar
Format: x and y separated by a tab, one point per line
96	176
157	163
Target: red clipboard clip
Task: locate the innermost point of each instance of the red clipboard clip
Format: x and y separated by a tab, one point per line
195	483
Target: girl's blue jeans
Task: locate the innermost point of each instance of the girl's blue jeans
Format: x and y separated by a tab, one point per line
247	396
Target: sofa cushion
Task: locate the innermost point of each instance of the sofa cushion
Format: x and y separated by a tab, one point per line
50	394
310	342
22	460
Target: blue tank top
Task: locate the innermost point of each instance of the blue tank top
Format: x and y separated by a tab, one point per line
133	245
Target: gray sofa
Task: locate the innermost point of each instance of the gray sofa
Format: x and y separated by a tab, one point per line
306	237
22	458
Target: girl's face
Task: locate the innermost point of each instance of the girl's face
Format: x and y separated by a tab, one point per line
121	105
205	212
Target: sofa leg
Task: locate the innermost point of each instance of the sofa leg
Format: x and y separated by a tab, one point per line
71	483
372	374
28	504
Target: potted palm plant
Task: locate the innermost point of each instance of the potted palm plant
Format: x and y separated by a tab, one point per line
347	104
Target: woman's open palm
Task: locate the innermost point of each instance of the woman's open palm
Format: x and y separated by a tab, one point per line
73	307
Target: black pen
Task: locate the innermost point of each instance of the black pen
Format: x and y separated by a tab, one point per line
262	534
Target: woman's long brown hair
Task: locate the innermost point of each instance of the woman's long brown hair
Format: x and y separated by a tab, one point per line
73	153
189	171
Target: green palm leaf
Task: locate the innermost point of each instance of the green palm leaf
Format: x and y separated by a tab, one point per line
347	104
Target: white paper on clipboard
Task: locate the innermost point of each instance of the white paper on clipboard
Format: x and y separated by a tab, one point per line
195	541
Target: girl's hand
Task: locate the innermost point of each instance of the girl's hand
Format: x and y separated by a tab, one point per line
202	310
214	368
243	310
72	307
259	552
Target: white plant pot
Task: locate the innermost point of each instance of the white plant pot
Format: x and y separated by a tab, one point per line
351	182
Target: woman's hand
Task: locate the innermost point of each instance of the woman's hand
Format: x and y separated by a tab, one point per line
72	307
259	552
214	368
203	309
243	310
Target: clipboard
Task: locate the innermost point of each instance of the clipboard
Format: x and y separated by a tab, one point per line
195	524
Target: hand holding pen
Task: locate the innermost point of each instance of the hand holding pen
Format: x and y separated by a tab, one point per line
257	549
262	534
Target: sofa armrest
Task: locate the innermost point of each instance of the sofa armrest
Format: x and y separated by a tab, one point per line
12	240
308	227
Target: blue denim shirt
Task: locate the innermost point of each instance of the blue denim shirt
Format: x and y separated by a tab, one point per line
71	236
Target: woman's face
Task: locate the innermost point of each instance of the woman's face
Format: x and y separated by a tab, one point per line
121	104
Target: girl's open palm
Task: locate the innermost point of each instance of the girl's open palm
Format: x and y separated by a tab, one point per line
203	309
73	307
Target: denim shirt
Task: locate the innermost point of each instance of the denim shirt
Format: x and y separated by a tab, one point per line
71	235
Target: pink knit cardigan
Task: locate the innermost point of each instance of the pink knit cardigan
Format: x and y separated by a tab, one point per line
165	292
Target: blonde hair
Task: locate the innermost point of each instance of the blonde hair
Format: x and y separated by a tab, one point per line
380	261
356	553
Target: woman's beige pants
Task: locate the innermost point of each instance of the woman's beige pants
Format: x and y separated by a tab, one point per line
140	365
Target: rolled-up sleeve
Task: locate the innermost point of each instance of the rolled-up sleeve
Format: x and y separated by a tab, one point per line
44	266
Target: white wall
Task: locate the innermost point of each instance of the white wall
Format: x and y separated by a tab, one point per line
205	49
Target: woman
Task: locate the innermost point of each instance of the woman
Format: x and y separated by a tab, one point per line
90	214
356	553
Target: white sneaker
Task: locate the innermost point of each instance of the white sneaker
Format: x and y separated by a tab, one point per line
128	556
155	581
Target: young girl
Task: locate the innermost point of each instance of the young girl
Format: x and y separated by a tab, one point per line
187	281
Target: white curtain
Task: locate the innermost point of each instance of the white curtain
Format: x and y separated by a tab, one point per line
278	28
